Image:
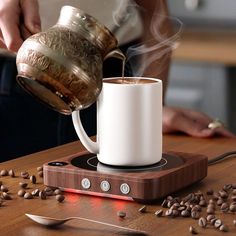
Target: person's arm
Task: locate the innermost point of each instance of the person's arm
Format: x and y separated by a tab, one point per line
18	20
183	120
191	122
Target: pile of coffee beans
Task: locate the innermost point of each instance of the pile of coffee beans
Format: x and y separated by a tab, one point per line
201	207
204	207
25	191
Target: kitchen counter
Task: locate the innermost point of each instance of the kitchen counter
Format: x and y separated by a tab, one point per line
213	46
14	222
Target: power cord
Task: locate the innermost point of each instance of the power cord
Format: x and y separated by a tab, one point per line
221	157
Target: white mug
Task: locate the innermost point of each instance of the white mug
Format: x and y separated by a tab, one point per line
129	122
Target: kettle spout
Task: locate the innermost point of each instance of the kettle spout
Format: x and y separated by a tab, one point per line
117	53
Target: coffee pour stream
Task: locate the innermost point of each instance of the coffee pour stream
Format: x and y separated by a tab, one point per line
62	66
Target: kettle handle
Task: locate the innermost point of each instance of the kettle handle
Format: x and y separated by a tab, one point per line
90	145
117	53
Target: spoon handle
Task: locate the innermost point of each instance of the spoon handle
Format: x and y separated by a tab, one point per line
104	223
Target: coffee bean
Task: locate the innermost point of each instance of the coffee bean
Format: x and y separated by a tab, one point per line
202	198
224	207
233	186
159	212
42	195
227	187
35	192
40	174
224	228
170	203
211	205
233	198
28	196
121	214
49	191
0	182
60	198
185	213
176	205
197	208
169	212
209	192
210	210
234	192
203	203
210	217
215	196
169	198
33	179
218	223
188	208
223	194
40	168
232	207
4	188
195	214
23	185
21	193
213	221
24	174
11	173
4	173
143	209
182	203
199	193
211	201
57	191
220	201
6	196
181	208
192	230
202	222
175	213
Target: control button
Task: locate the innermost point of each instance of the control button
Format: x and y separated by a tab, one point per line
85	183
105	186
57	163
124	188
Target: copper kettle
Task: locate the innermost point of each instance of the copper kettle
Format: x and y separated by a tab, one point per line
62	66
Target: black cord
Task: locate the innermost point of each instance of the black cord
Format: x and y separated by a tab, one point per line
221	157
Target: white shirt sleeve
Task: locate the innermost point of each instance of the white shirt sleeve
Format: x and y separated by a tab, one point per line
119	16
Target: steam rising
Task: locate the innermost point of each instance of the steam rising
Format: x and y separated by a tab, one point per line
156	49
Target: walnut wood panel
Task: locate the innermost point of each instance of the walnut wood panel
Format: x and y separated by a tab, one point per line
13	221
144	186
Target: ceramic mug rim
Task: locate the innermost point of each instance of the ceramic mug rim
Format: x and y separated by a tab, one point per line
155	81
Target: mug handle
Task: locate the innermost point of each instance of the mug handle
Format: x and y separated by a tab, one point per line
90	145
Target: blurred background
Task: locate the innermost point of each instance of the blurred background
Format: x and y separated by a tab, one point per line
202	74
203	70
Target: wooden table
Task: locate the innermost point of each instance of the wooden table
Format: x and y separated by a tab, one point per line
14	222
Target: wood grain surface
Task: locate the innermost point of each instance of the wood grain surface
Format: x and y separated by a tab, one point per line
14	222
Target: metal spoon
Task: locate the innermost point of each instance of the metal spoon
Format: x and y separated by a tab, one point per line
48	221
